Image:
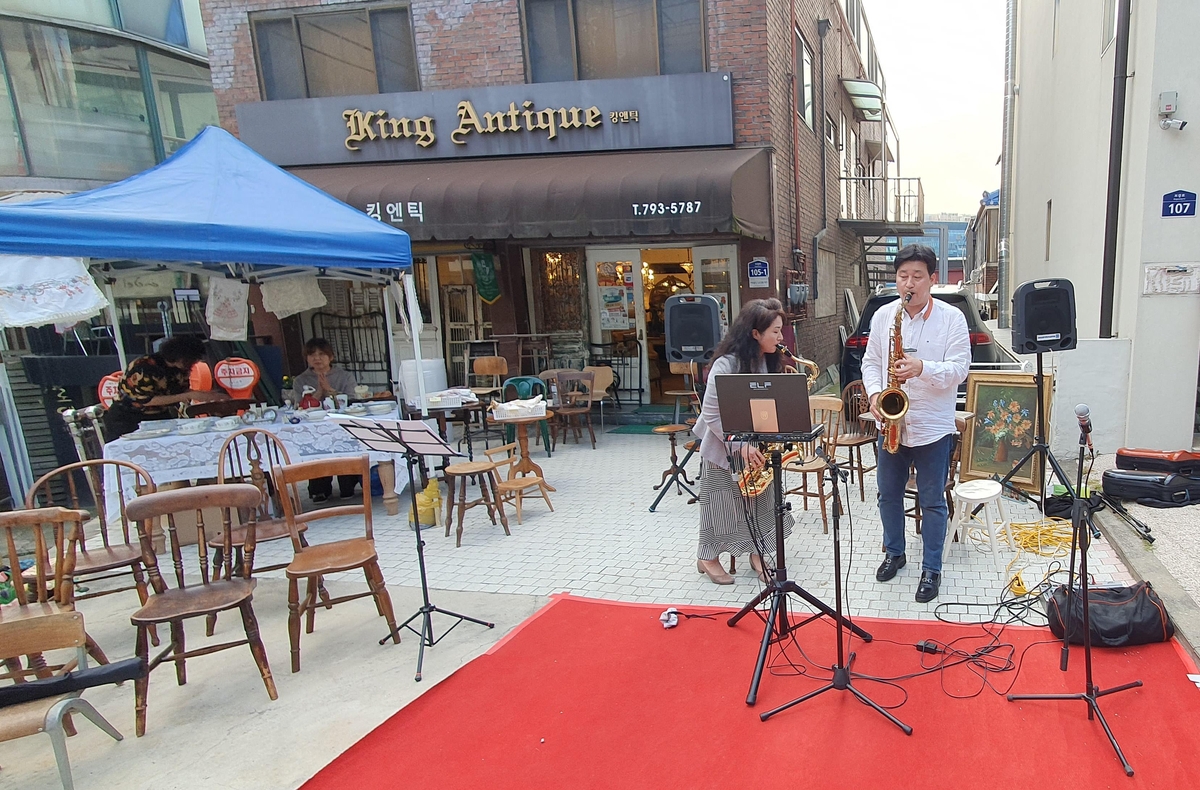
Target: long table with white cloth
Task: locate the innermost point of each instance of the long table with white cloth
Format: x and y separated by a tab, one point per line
176	457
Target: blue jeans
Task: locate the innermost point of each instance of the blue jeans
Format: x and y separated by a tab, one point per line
932	462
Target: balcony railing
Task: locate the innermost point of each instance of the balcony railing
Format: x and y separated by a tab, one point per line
883	200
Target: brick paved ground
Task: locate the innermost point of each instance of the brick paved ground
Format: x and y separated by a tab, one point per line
602	541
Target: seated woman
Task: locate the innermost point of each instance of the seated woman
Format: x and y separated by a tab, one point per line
328	382
156	386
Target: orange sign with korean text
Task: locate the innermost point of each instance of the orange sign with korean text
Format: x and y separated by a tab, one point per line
238	376
109	389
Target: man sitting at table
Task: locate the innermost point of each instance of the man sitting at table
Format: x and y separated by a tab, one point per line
328	382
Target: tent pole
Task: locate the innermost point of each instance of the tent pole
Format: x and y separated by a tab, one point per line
116	324
389	303
414	319
13	451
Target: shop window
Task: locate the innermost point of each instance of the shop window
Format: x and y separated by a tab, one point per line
804	81
602	39
95	12
161	20
336	53
80	100
183	93
12	159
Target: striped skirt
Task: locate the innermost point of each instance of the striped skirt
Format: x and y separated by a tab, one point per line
724	526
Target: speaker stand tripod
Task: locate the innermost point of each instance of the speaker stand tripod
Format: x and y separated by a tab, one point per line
777	627
1081	537
843	670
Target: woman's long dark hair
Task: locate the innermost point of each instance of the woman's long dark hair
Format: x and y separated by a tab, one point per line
741	344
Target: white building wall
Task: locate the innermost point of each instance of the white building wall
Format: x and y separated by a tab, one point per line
1061	154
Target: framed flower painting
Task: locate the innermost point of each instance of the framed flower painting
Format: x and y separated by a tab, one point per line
1003	426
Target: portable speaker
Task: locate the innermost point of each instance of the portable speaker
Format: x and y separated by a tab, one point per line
693	327
1043	316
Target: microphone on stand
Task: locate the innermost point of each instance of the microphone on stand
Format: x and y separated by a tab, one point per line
1084	415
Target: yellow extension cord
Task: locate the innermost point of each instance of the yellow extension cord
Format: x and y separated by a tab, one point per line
1049	538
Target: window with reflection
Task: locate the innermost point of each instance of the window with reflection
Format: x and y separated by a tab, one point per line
183	93
804	80
338	53
12	158
603	39
80	100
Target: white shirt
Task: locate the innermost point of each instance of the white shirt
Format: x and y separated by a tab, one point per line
938	336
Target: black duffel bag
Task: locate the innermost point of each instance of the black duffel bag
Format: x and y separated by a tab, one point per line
1119	616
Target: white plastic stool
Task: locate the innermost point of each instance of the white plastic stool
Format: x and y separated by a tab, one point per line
972	494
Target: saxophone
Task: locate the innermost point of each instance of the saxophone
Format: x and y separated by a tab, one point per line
893	402
752	482
811	369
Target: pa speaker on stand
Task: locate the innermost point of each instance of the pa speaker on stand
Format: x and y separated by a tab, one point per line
1044	316
693	327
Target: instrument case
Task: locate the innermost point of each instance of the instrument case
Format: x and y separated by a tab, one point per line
1180	462
1155	489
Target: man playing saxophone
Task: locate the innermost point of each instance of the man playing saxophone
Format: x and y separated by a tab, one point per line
934	357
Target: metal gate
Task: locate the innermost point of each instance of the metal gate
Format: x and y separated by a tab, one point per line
461	320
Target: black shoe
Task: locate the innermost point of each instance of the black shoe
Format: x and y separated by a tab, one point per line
927	588
318	498
891	565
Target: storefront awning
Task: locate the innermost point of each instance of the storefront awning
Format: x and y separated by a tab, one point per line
602	195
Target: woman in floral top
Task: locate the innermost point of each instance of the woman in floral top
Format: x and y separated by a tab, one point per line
155	385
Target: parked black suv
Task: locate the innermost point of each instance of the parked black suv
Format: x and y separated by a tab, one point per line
986	354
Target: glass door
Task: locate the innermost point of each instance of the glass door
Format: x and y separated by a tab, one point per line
618	317
716	273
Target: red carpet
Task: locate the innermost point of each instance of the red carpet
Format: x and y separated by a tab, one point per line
589	694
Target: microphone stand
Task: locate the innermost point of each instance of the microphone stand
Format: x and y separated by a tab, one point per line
1081	538
843	670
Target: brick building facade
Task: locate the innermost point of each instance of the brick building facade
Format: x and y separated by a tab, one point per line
464	45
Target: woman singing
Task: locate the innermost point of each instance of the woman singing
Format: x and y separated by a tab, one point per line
748	347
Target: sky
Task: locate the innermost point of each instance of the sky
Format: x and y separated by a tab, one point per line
944	65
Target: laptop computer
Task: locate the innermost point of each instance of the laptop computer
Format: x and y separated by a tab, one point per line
763	403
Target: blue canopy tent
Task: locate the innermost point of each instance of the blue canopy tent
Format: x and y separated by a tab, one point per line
215	205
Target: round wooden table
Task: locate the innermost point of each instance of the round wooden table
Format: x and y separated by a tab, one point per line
525	465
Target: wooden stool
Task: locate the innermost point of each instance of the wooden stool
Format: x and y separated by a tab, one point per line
487	494
676	470
983	493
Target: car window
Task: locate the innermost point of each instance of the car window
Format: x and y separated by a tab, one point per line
958	300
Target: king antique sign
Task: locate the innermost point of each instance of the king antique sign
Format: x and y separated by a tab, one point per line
675	111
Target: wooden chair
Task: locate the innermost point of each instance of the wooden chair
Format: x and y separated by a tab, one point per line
457	475
536	351
247	456
827	411
195	597
575	406
690	393
46	588
311	562
603	380
857	432
119	553
49	714
913	511
512	488
494	370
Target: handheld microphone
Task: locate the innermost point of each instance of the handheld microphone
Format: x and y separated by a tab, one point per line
1084	415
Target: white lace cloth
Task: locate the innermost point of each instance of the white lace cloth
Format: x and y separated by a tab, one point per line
174	457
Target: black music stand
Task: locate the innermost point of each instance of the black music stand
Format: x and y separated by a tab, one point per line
777	627
413	440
